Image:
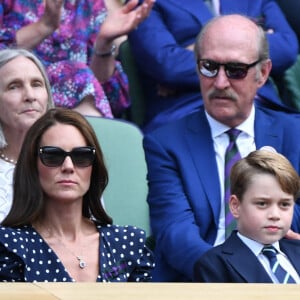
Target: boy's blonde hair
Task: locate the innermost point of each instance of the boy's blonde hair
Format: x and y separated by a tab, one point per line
264	162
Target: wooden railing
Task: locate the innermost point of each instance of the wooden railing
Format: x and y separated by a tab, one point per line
147	291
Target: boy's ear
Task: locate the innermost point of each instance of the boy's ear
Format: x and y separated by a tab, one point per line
234	205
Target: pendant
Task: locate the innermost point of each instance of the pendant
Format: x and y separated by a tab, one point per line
82	263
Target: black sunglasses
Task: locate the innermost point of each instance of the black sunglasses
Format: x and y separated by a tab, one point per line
233	70
54	156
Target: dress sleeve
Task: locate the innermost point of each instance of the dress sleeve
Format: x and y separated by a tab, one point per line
125	256
11	266
144	266
10	22
116	87
116	90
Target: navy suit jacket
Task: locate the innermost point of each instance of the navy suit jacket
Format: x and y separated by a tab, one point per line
233	261
184	190
159	44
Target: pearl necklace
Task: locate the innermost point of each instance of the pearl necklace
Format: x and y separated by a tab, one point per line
4	157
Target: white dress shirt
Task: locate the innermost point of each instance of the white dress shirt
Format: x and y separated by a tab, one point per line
245	143
256	248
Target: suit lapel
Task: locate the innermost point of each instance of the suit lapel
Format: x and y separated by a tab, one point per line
243	261
200	145
267	130
292	252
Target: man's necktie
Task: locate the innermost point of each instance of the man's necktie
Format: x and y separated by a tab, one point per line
232	155
281	274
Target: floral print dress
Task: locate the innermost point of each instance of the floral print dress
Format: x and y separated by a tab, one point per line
67	52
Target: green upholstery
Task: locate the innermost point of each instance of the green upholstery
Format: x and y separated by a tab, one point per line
136	112
126	193
292	85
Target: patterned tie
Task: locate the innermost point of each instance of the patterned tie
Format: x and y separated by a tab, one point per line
281	274
232	155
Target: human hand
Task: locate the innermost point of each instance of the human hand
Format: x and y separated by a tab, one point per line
52	14
292	235
122	21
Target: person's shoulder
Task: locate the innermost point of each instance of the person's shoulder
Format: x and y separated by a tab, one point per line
291	243
178	127
124	232
279	116
17	239
18	232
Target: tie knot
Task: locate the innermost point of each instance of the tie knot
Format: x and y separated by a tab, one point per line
233	133
269	252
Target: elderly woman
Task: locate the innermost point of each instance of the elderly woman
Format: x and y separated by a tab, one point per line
24	97
57	229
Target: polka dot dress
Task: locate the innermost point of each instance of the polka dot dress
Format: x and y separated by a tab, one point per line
25	256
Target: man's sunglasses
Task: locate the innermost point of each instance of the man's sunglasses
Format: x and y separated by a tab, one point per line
210	68
54	156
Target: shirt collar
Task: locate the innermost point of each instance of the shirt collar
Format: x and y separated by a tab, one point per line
255	246
217	128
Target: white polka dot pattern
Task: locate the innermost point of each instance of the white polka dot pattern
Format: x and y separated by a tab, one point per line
25	256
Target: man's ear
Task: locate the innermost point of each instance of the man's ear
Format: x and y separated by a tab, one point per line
234	205
265	70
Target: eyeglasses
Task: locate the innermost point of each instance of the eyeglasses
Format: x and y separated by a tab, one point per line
210	68
54	156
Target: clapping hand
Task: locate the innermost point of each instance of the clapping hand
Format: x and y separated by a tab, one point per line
52	14
122	21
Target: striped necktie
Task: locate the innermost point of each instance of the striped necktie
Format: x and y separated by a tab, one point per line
232	155
281	274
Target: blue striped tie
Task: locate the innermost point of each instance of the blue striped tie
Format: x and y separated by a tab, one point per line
232	155
281	274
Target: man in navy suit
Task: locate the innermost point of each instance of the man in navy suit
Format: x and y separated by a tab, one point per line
185	158
163	49
264	187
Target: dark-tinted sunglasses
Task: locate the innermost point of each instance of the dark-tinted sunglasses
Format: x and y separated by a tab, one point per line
233	70
55	156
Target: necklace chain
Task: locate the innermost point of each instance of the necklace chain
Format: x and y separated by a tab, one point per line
4	157
81	262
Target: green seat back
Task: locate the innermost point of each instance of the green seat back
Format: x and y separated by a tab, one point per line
136	112
126	193
292	85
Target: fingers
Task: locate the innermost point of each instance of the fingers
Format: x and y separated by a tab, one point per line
130	5
292	235
144	10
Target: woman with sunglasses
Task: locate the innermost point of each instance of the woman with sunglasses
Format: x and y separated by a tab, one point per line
25	95
57	229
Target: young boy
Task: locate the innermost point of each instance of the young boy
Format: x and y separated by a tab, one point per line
264	187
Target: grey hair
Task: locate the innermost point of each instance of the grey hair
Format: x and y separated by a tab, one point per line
6	55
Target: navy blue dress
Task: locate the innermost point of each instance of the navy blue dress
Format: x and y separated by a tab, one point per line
25	256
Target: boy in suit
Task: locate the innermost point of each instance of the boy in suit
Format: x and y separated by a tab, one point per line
264	187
